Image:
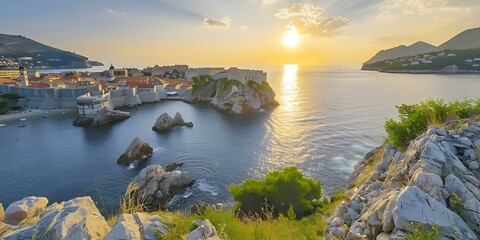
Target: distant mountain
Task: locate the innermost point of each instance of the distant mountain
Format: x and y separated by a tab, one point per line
402	51
469	39
18	50
464	40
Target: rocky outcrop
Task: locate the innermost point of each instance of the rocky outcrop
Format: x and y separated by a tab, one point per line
205	230
435	182
78	218
138	149
154	187
165	122
104	116
26	210
136	226
2	213
232	96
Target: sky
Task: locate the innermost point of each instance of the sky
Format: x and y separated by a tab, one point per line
143	33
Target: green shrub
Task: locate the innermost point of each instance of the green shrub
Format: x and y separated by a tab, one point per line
279	191
198	82
415	118
422	232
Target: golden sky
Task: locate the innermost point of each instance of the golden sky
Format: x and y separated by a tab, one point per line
235	32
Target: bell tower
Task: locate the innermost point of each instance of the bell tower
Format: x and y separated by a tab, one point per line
23	76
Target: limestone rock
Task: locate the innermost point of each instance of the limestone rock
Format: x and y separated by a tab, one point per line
5	229
2	213
234	97
415	206
25	209
136	226
76	219
172	166
466	203
205	231
136	150
165	122
156	187
104	116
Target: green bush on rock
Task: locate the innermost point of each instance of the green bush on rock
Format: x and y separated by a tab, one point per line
279	191
415	118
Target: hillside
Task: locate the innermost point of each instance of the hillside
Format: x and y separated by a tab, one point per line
18	50
402	51
469	39
464	40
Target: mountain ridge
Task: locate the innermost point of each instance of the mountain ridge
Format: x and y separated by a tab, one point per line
18	50
468	39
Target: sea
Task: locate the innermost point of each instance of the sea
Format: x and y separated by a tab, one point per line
327	120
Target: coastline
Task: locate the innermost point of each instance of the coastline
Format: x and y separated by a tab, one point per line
31	113
441	72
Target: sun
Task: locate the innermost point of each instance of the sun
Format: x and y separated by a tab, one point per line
291	38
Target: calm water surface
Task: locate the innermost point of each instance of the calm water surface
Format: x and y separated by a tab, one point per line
325	122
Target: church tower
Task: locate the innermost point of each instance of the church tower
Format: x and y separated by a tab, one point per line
23	76
112	74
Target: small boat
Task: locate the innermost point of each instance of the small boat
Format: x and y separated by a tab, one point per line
63	113
23	119
3	125
22	125
45	116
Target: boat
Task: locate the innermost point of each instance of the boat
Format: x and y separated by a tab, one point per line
23	119
3	125
63	113
45	116
22	125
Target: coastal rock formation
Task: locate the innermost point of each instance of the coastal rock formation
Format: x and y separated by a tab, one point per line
104	116
154	187
233	96
2	213
25	210
78	218
138	149
434	183
165	122
205	230
136	226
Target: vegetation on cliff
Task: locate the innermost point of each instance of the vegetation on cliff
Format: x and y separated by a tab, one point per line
7	102
415	118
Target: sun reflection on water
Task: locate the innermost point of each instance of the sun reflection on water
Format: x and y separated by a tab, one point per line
289	87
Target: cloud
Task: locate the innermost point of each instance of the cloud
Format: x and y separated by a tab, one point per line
111	11
223	23
309	19
265	2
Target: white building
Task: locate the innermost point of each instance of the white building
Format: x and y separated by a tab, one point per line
427	61
195	72
242	75
414	63
441	54
452	55
23	76
469	61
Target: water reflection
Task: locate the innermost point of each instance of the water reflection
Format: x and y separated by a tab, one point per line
289	87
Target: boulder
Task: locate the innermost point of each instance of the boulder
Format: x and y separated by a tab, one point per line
154	187
25	210
465	203
78	218
172	166
137	226
415	206
136	150
165	122
2	213
204	231
104	116
5	229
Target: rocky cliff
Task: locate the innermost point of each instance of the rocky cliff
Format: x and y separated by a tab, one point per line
433	184
233	96
104	116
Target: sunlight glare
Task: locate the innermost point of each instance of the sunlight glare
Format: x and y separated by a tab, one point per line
291	38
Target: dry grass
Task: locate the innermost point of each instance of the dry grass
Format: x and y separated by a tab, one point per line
128	204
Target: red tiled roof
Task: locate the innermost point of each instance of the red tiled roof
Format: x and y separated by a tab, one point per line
39	85
140	85
35	79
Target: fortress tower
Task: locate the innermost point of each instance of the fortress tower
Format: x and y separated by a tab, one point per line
23	76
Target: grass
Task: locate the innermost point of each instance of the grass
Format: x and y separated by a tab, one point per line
129	204
422	232
368	170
